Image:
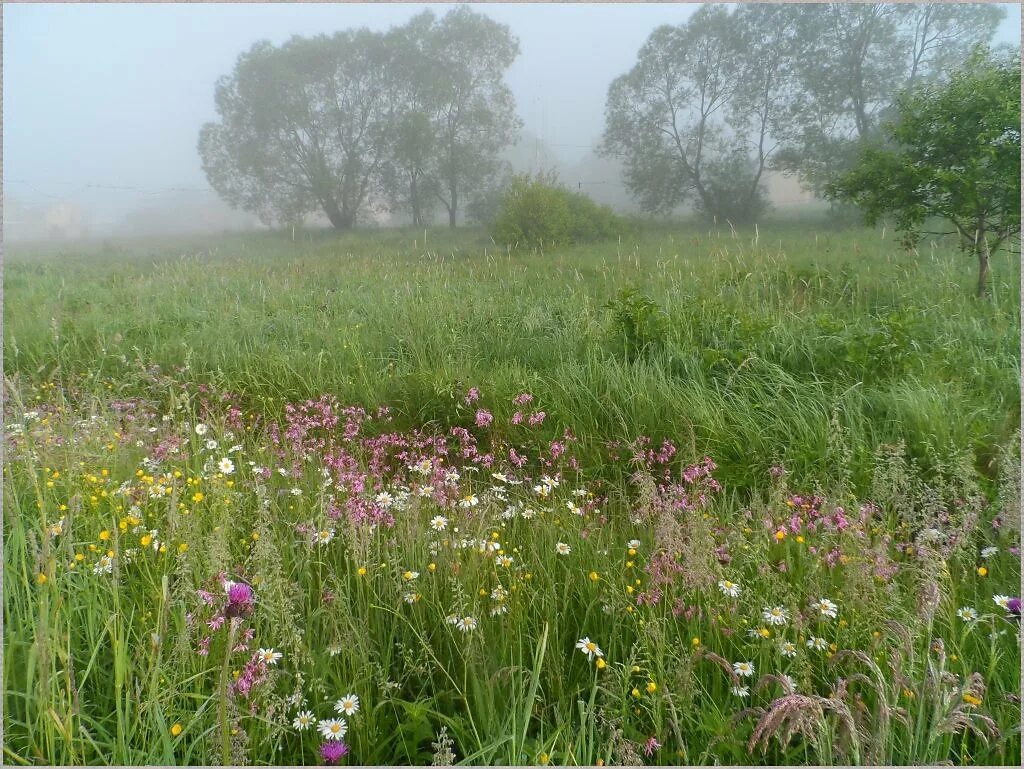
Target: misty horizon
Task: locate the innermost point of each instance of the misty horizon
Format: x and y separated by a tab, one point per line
103	103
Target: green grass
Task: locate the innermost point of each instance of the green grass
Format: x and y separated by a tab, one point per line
763	341
871	374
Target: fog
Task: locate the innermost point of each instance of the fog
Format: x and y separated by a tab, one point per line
103	103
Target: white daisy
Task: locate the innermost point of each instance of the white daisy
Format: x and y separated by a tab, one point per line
323	536
347	705
1002	601
105	565
826	608
333	728
967	614
775	615
788	649
269	656
562	549
500	477
743	669
439	523
211	444
988	552
633	544
816	643
384	499
470	500
589	648
741	691
303	720
201	429
728	588
466	624
504	560
226	466
411	598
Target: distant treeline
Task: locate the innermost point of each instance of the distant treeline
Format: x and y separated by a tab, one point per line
415	119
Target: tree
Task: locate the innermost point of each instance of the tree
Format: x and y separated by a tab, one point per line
693	119
953	153
856	57
463	58
302	127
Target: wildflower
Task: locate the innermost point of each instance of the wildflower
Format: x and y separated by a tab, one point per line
1013	606
775	615
743	669
176	730
226	466
788	649
728	588
41	578
504	560
439	523
600	664
826	608
240	599
104	535
988	552
201	429
651	687
982	571
470	500
562	549
269	656
361	571
741	691
967	614
295	491
324	536
411	597
594	576
483	417
333	728
589	648
633	544
780	535
650	746
818	644
466	624
211	444
410	575
970	699
333	751
303	720
56	529
347	705
1002	601
105	565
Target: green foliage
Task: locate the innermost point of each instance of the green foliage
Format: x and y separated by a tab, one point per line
538	213
416	115
954	154
637	324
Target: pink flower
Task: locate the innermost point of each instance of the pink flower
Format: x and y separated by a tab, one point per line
651	745
472	396
483	418
333	751
517	418
537	418
522	399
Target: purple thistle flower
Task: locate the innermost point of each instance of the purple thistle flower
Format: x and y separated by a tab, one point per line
332	751
1013	606
240	600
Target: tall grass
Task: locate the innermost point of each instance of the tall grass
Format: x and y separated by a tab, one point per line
860	404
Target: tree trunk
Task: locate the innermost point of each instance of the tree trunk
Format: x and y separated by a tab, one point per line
983	256
454	207
339	220
414	199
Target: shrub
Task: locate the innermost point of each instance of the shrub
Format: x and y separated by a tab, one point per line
537	212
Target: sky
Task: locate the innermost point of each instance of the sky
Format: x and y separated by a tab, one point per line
113	95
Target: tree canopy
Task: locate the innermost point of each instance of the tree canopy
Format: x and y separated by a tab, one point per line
714	102
361	119
952	153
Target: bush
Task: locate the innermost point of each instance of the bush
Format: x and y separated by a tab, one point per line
537	212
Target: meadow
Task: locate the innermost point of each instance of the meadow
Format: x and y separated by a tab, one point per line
698	496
